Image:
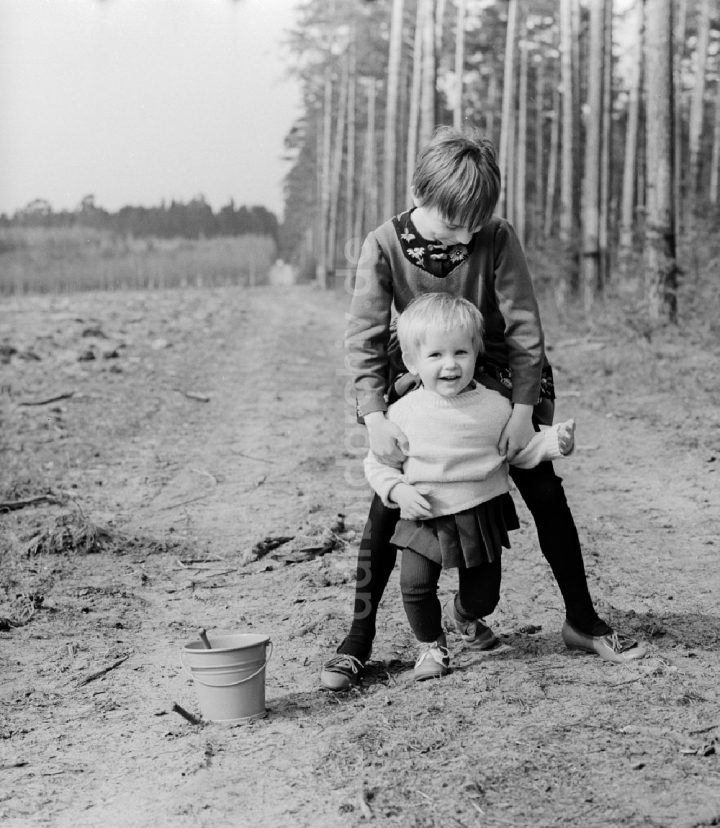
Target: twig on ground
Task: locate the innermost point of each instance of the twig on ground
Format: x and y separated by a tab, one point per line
704	729
627	681
193	561
101	673
12	505
192	395
189	716
65	396
251	457
182	502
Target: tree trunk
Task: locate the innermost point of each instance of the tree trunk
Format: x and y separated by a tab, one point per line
627	209
370	163
321	272
391	116
697	102
539	146
459	63
428	92
414	114
605	155
591	178
489	115
715	159
567	187
551	182
338	152
521	164
351	138
678	139
659	249
508	106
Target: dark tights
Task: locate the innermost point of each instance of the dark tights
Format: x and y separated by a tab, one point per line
542	491
478	593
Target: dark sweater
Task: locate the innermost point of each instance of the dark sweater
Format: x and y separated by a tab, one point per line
494	277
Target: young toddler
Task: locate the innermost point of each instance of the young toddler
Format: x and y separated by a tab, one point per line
452	488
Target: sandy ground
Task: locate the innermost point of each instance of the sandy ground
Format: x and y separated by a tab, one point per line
193	425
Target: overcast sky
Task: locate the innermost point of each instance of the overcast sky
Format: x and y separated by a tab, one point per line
134	101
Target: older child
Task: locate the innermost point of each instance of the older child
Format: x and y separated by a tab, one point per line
452	488
451	243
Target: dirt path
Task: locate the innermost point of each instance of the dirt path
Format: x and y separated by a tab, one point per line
221	422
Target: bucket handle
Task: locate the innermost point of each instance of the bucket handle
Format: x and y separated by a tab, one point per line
233	683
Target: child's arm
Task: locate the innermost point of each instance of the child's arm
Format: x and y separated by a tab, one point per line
518	306
518	432
386	438
523	336
366	339
387	481
549	443
368	328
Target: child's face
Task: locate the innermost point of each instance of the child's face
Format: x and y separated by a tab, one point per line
432	225
445	362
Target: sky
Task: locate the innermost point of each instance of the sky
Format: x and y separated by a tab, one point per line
135	101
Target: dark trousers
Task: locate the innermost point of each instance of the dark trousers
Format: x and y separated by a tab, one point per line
478	593
542	491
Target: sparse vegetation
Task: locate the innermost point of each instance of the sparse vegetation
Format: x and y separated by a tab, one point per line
64	259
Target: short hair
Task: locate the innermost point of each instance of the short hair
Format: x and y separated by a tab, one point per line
438	312
457	174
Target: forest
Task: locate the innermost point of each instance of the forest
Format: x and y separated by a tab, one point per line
193	220
605	116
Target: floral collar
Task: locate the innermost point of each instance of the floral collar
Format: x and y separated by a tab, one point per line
432	256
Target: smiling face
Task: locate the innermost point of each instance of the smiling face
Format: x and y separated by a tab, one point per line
433	226
444	361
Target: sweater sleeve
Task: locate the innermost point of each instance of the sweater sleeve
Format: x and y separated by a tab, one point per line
382	478
367	330
518	306
543	446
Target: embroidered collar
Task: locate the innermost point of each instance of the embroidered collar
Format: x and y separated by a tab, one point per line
432	256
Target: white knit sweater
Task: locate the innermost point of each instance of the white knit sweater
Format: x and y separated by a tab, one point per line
453	458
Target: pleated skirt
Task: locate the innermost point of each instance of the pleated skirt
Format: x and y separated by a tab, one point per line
469	538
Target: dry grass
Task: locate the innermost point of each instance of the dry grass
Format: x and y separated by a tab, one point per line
58	260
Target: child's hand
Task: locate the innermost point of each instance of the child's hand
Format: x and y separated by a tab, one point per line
387	441
413	505
518	431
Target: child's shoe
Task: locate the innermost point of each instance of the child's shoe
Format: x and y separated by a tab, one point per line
434	661
474	633
341	672
612	646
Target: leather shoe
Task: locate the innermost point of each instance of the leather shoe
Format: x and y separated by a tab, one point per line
612	646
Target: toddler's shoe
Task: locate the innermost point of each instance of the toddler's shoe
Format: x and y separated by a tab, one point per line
341	672
612	646
434	661
473	633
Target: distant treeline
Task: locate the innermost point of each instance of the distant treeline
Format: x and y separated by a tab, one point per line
193	220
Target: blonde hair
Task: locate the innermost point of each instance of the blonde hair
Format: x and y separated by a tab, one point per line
456	173
438	312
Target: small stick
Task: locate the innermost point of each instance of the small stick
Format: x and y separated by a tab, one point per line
704	729
189	716
205	640
12	505
101	673
65	396
192	395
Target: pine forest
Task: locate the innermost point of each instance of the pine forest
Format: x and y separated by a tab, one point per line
605	117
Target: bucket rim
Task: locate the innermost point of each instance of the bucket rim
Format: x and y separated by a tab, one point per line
199	647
